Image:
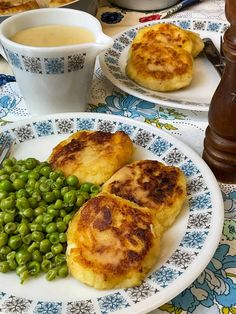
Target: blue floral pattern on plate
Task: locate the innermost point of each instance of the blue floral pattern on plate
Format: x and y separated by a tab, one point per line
202	224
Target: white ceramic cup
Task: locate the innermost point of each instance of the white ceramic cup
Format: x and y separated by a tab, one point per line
53	79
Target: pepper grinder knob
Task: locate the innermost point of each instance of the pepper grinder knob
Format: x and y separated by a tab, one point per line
220	137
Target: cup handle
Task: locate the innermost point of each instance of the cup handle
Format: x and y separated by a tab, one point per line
2	52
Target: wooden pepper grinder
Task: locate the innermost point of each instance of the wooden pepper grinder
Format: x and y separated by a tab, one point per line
220	138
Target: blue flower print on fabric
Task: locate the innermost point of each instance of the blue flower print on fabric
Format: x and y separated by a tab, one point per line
131	107
7	103
111	17
213	285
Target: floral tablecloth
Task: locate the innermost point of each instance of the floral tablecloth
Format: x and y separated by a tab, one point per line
214	291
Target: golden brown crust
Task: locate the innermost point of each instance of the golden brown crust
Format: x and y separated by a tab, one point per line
93	156
151	184
168	34
113	241
159	66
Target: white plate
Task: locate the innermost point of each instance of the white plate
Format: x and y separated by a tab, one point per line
197	96
187	247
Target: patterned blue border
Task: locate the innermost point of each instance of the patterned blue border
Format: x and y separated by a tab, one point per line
196	233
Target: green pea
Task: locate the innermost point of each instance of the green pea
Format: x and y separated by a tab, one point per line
59	183
51	274
37	236
23	176
31	182
61	226
68	218
62	271
62	213
95	189
3	239
34	268
47	218
18	184
4	267
52	211
31	163
36	227
64	190
49	255
8	169
27	239
80	200
72	180
12	264
28	213
33	202
46	265
57	193
44	187
20	269
39	220
45	246
57	248
22	203
51	227
7	203
33	175
7	162
45	171
30	190
23	256
3	194
85	187
54	237
70	197
37	196
14	242
49	197
11	256
5	250
33	246
39	210
62	237
21	193
10	227
58	204
23	229
37	256
60	258
9	217
54	175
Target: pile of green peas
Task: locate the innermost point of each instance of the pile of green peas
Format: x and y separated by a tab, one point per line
36	206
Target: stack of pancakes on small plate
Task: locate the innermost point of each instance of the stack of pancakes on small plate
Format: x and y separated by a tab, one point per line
161	57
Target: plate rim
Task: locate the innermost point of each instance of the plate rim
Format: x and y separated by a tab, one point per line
145	305
169	102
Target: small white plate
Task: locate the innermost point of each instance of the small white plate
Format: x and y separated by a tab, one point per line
196	96
187	246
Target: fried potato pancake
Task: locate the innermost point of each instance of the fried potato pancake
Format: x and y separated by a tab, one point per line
151	184
92	156
112	243
159	66
168	34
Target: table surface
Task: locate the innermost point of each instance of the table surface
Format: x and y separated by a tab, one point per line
215	290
